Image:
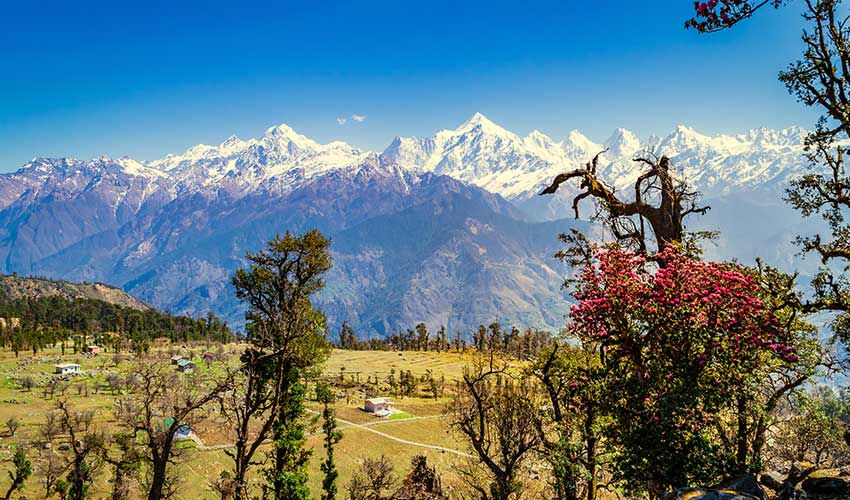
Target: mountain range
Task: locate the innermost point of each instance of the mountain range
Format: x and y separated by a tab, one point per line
446	229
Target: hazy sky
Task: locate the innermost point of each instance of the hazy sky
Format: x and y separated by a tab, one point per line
89	78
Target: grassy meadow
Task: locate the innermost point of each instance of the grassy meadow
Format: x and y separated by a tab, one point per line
419	425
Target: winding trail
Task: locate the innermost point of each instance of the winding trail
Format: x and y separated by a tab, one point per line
367	427
352	425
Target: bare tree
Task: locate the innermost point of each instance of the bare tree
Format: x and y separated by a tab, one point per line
660	199
12	425
115	382
497	415
27	383
162	403
248	406
224	486
571	432
52	466
421	483
50	427
125	463
373	480
87	450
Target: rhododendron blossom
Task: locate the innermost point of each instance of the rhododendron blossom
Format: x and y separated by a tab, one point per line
687	325
678	342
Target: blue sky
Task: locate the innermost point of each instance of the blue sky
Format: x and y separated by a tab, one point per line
148	78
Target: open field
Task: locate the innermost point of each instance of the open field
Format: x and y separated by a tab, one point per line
449	364
424	429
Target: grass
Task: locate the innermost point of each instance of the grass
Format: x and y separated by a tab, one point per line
200	466
371	363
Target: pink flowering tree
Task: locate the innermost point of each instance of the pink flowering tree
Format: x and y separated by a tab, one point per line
677	343
715	15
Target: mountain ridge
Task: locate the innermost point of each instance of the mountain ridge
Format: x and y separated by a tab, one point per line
19	287
461	205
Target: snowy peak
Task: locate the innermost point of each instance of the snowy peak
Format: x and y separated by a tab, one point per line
576	142
481	122
478	152
622	143
482	153
286	137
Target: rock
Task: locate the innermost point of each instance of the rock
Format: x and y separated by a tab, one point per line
844	471
773	480
792	493
745	483
707	494
831	487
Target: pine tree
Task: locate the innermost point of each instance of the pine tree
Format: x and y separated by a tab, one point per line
332	437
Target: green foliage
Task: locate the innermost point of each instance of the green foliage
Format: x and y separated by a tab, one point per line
815	430
325	395
21	471
46	321
289	474
288	336
679	347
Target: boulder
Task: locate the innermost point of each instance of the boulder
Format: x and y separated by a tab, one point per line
773	480
745	483
792	493
707	494
826	487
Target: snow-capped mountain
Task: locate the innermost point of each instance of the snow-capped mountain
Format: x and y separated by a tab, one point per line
446	229
278	161
482	153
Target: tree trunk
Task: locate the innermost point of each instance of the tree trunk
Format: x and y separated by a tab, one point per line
592	458
160	462
741	437
240	471
279	455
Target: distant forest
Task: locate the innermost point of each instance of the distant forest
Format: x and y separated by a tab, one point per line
43	321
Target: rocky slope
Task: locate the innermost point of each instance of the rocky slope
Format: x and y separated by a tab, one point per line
16	287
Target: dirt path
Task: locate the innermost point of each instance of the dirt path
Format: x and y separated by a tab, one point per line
367	427
351	425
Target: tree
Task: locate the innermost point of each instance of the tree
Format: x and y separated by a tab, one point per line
677	344
715	15
51	466
249	407
757	406
22	469
814	432
162	403
373	479
422	336
224	486
27	383
126	464
325	395
819	79
660	199
49	429
421	483
12	425
87	451
496	414
347	337
571	432
285	327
